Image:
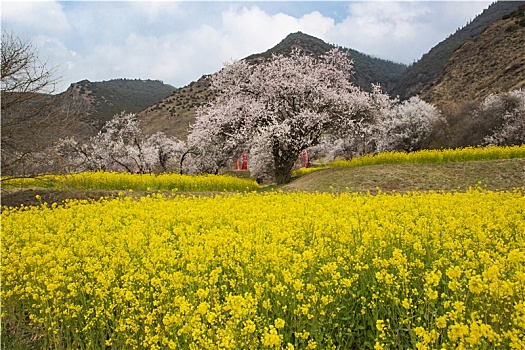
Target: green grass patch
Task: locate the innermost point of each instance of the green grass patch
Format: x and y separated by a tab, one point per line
503	174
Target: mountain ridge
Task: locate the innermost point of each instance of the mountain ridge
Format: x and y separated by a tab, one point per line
367	69
428	68
162	107
175	113
102	100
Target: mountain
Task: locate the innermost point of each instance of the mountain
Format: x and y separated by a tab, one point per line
367	69
428	69
491	62
175	113
102	100
485	56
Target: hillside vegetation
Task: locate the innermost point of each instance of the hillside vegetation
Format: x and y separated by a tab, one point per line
175	113
106	98
426	70
489	63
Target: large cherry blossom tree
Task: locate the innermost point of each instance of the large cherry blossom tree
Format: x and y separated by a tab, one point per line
280	107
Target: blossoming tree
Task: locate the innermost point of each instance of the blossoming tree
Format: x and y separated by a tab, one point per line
278	108
407	125
120	144
509	109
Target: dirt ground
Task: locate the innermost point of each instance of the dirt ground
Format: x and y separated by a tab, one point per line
27	197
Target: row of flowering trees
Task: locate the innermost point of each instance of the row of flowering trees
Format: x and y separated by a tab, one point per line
275	110
289	104
120	145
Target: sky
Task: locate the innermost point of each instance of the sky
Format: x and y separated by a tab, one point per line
179	41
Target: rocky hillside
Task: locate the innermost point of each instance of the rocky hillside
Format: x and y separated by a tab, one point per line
174	114
102	100
430	67
492	62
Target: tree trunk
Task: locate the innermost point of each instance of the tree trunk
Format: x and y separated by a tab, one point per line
283	170
283	161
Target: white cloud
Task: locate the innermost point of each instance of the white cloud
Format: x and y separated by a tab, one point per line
316	24
39	16
177	42
252	30
401	31
153	12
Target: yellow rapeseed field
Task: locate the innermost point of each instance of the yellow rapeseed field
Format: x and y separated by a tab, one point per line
435	156
270	271
425	156
104	180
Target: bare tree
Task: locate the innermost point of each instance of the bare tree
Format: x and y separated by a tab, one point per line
32	117
23	73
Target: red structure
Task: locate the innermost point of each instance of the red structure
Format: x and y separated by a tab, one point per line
244	164
304	155
244	161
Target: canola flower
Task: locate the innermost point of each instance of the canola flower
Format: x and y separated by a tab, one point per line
270	271
435	156
425	156
102	180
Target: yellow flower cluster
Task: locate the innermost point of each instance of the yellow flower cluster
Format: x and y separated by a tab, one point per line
435	156
102	180
423	156
270	271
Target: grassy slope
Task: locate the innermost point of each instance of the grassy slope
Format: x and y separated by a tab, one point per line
494	175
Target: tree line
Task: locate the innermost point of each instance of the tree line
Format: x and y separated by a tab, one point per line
273	111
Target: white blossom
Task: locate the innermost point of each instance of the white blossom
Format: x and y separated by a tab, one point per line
284	105
510	108
406	126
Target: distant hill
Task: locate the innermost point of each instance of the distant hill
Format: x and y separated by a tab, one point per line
491	62
367	70
431	65
102	100
485	56
175	113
